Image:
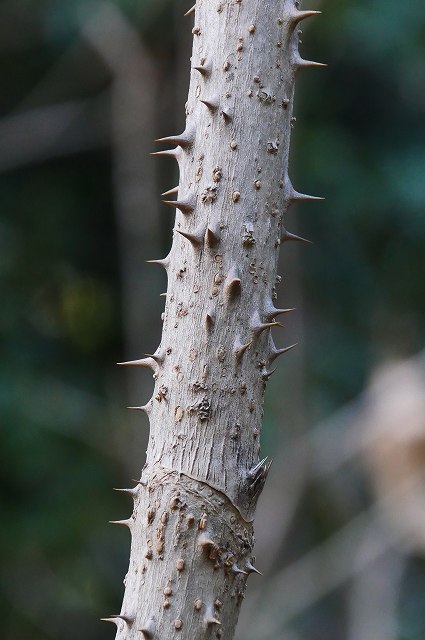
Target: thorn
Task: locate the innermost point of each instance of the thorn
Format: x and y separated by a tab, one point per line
165	262
185	206
131	492
239	349
212	236
127	619
254	471
191	10
279	352
212	104
113	619
302	15
291	195
251	569
226	115
169	153
183	140
206	543
146	408
163	295
300	63
268	374
273	312
195	239
124	523
171	192
209	321
159	359
144	362
297	196
232	285
210	620
287	235
265	326
204	71
259	474
235	569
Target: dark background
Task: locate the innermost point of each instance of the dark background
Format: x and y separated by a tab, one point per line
85	88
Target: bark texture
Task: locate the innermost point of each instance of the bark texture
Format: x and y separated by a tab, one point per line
191	528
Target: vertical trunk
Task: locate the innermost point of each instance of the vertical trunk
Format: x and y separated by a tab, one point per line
192	535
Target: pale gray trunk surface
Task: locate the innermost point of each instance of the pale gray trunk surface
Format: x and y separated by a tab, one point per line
191	528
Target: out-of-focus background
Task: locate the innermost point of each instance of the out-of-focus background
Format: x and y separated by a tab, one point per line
86	87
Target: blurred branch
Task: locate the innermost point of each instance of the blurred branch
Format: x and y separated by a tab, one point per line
133	121
39	134
365	539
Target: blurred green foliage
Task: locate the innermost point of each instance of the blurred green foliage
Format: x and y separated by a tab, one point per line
359	140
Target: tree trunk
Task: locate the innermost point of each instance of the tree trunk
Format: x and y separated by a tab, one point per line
192	532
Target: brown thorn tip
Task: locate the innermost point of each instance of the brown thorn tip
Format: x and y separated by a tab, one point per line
191	10
204	71
195	240
212	237
209	321
287	235
302	15
212	105
170	192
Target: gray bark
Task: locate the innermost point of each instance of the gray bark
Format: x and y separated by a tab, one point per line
191	528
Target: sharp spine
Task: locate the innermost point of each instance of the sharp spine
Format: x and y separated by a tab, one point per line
191	10
131	492
239	349
279	352
212	104
170	192
300	63
184	140
212	236
186	206
251	569
272	312
297	17
143	362
203	70
226	115
266	375
266	325
168	153
209	321
235	569
159	358
206	543
124	523
164	262
232	285
146	408
196	239
288	236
